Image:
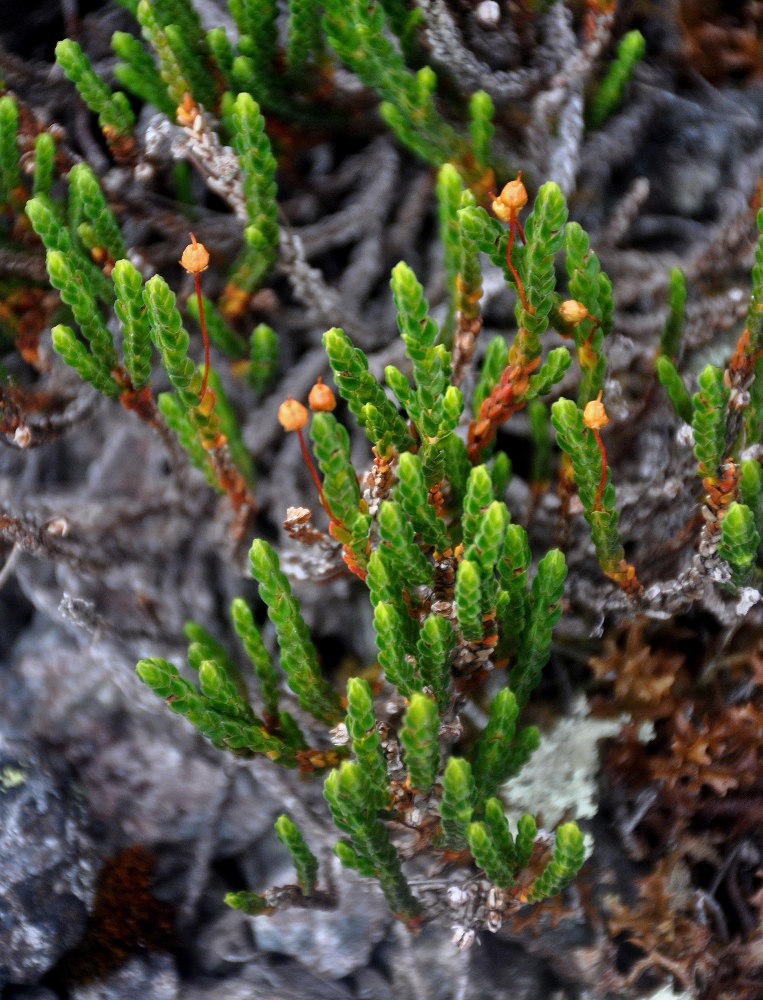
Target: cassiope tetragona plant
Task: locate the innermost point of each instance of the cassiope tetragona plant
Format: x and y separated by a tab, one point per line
87	264
460	616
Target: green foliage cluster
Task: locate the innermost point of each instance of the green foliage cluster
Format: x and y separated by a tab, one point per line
305	862
258	168
461	257
670	337
673	385
362	36
19	132
78	232
574	438
609	92
376	41
10	177
115	115
739	542
494	847
726	416
590	286
533	262
709	420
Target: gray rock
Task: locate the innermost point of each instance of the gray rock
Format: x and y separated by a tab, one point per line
370	984
225	943
47	862
147	775
266	980
430	967
249	810
142	977
29	993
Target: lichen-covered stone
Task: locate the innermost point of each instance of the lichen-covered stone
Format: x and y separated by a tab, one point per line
47	863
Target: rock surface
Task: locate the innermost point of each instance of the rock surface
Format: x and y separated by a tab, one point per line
47	861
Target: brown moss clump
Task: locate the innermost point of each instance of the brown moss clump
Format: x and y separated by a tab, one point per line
126	918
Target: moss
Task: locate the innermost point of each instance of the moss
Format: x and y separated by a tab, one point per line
126	918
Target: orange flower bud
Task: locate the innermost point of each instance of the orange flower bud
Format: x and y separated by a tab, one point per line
207	402
195	257
510	200
321	398
292	416
186	111
594	414
572	311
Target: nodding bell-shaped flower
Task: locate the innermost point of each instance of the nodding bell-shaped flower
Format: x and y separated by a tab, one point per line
195	257
594	414
572	311
292	415
321	398
512	198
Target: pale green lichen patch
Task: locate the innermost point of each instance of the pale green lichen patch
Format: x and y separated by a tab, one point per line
560	778
11	777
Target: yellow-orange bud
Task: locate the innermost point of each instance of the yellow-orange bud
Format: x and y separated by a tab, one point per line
321	398
594	414
292	416
510	200
207	402
186	111
572	311
195	257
